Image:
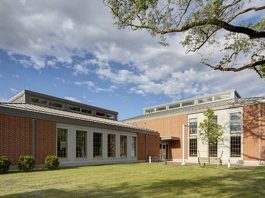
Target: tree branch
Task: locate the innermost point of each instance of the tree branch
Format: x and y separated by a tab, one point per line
236	69
248	10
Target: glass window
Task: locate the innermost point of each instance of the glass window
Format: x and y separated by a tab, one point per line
73	108
111	145
55	104
35	100
213	149
86	111
110	116
204	100
39	101
235	122
149	110
81	139
100	114
193	147
97	145
133	147
215	119
193	125
222	97
188	103
235	146
160	108
62	142
123	146
174	106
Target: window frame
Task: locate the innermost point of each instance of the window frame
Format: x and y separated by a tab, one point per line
134	146
123	146
66	143
190	141
115	145
101	145
193	121
235	123
84	141
236	155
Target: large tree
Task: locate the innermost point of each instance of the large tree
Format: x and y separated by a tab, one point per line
209	130
227	24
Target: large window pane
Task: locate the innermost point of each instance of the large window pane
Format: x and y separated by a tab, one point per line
193	148
81	139
235	122
235	144
213	149
123	146
133	147
111	145
193	126
97	145
62	142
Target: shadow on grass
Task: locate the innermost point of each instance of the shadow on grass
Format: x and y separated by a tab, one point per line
232	184
43	169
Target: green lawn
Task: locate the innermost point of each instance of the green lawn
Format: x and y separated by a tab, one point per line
136	180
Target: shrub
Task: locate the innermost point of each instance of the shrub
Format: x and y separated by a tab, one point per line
4	164
52	162
26	163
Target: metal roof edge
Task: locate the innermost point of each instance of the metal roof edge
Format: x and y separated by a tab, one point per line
60	118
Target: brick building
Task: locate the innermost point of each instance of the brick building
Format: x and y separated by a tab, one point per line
40	125
242	120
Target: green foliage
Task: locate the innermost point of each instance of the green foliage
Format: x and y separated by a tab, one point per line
52	162
4	164
263	70
217	25
26	163
209	130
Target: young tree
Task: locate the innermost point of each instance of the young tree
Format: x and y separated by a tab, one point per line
226	23
209	130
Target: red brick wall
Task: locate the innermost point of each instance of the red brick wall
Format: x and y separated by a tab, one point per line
45	140
168	126
152	146
253	124
141	146
153	143
15	136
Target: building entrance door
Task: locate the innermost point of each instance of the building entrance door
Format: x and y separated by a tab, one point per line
164	149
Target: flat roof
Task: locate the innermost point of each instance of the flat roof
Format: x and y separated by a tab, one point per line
233	91
223	104
169	138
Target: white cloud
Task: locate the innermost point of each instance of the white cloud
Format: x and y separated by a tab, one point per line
62	80
80	69
13	90
51	32
71	98
91	86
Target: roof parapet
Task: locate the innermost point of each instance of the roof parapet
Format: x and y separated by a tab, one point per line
215	97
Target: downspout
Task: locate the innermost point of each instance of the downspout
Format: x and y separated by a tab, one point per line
33	137
146	146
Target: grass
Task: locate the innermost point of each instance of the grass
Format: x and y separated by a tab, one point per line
136	180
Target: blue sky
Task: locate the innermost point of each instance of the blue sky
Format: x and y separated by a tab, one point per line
75	52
